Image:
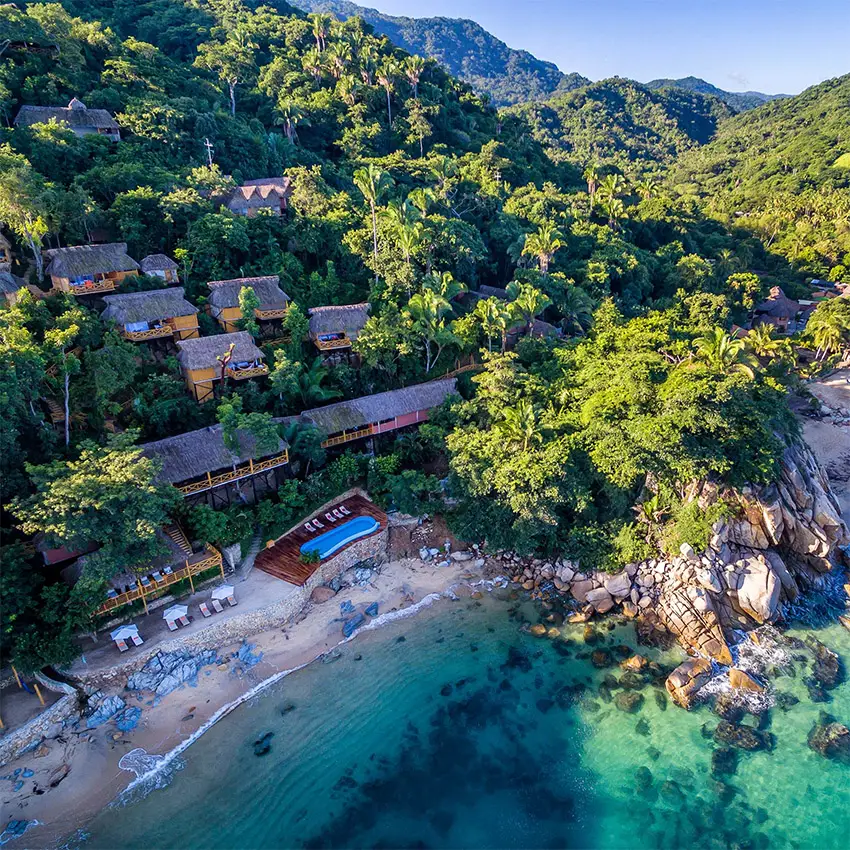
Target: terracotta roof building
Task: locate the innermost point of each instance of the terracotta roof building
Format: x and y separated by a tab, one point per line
156	314
224	299
201	366
89	269
76	115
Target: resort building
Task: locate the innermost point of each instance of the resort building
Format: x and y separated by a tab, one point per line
224	301
778	310
209	359
270	194
381	413
158	265
5	252
89	269
76	115
156	314
333	329
204	470
11	288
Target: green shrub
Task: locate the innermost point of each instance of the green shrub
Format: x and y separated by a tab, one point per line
630	544
691	524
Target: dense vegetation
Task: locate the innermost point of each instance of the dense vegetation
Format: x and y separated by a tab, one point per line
739	101
408	190
466	50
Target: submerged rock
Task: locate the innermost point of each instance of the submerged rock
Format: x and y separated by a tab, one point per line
740	680
262	746
686	681
724	761
628	701
538	630
742	737
830	738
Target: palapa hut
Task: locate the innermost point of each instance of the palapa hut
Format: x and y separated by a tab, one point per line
159	265
209	359
203	469
156	314
333	329
268	193
377	414
76	115
778	310
224	300
11	288
89	269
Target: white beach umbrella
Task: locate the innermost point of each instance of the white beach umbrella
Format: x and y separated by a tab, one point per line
175	612
125	632
223	592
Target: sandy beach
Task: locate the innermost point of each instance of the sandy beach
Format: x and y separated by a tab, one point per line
94	778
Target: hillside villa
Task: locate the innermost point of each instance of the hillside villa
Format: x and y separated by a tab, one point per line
333	329
209	359
76	115
89	269
159	265
156	314
224	301
11	288
778	310
270	194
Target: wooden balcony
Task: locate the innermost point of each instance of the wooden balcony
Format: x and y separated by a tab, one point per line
191	567
93	287
251	372
244	471
265	315
359	434
332	344
151	333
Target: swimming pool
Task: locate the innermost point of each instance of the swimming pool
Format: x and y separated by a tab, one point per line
331	541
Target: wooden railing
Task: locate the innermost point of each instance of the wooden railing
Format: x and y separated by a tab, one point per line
277	313
347	438
106	285
331	344
244	471
55	411
189	569
470	367
250	372
152	333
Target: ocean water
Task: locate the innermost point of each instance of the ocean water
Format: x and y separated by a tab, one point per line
458	729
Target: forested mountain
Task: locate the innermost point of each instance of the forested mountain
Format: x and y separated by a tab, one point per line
621	122
466	50
739	101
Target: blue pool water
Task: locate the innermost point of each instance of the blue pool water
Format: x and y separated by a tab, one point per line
329	542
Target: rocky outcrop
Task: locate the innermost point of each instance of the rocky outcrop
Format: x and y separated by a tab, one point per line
686	681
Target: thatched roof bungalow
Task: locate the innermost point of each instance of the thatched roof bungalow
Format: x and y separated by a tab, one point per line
89	269
11	287
201	366
267	193
379	413
160	265
778	310
224	299
76	115
155	314
336	327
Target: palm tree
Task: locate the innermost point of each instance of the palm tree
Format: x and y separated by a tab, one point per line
346	88
527	303
611	187
615	209
421	198
444	284
519	425
543	245
725	354
761	341
414	67
290	115
386	78
321	23
368	56
577	308
646	187
591	176
373	182
311	61
309	383
827	337
427	310
495	320
337	57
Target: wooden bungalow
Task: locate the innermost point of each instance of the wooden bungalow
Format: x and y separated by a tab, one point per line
204	470
778	310
89	269
155	314
333	329
224	300
159	265
270	194
209	359
380	413
11	288
76	115
5	252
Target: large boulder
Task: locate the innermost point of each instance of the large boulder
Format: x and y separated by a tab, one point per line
686	681
618	585
600	599
757	587
830	738
322	594
580	589
688	612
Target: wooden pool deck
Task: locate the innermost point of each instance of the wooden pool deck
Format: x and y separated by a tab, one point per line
283	560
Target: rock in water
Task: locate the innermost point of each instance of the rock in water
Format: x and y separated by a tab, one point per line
741	737
538	630
628	701
830	738
740	680
685	682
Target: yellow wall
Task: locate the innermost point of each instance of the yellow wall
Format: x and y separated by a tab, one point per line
185	327
64	284
227	318
201	391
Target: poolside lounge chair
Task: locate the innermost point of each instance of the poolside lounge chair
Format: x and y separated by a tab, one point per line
157	577
111	593
231	601
172	625
184	621
122	645
318	524
330	517
167	570
205	610
344	510
217	605
309	526
145	581
336	513
137	640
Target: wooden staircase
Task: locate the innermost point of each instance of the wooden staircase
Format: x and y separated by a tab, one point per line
179	538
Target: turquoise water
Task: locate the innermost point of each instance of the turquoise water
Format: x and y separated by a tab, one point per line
457	729
328	543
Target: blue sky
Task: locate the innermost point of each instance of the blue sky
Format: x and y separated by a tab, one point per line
764	45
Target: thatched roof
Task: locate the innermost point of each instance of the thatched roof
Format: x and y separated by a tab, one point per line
492	292
157	263
257	194
345	415
5	243
225	293
202	353
349	318
778	305
196	453
82	260
149	306
540	328
10	284
75	114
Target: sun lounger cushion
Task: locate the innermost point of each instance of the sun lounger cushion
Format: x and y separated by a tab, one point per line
217	605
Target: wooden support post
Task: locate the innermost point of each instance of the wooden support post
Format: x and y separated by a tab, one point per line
144	600
1	723
38	692
209	479
191	583
221	565
17	677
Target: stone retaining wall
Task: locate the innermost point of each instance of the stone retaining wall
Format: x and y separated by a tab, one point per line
16	742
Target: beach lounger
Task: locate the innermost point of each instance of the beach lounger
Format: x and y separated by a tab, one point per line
231	601
318	524
217	605
122	645
167	570
145	581
330	517
172	626
157	577
184	621
344	510
309	526
204	610
336	513
137	640
111	593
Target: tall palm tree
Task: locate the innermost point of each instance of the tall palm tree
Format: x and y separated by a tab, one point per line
414	67
337	58
368	56
611	187
591	177
346	88
373	183
646	187
321	23
290	115
421	198
495	320
527	303
386	78
427	310
725	354
761	341
543	245
577	308
444	284
312	63
519	425
615	210
827	337
309	382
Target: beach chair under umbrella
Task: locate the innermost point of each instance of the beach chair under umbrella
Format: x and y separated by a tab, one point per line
174	615
124	633
224	592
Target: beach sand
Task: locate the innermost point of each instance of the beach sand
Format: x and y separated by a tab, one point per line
94	777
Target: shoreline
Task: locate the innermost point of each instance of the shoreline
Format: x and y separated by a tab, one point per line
168	728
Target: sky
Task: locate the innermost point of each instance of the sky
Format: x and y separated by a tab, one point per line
773	46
